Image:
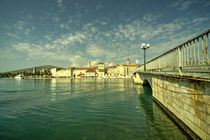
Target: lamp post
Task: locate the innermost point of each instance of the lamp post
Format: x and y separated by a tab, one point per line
144	47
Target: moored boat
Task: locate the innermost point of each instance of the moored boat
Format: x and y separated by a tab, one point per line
19	77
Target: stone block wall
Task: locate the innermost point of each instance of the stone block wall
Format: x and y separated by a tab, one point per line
188	100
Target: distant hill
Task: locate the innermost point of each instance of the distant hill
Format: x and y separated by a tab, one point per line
38	68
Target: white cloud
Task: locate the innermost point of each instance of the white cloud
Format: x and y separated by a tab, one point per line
94	63
49	46
7	53
48	37
33	28
207	3
137	61
12	35
61	5
20	25
27	31
201	19
97	51
93	29
64	26
70	39
55	18
78	61
184	4
99	6
110	64
35	51
150	17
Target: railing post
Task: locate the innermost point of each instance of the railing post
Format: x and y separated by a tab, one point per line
179	61
190	54
202	45
207	56
187	53
185	60
194	52
159	63
182	55
198	53
144	60
177	54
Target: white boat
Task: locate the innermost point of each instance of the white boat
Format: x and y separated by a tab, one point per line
19	77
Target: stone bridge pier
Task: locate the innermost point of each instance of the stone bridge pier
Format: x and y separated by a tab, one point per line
185	99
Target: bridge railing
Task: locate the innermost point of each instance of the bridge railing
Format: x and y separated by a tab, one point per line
190	57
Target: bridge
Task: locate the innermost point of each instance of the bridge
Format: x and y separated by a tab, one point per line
180	82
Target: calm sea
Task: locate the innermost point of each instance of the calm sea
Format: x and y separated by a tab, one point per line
101	109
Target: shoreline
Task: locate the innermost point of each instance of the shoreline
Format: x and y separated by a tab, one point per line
65	78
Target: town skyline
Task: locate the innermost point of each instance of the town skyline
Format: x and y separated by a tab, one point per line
69	33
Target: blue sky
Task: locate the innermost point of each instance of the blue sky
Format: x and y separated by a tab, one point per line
71	32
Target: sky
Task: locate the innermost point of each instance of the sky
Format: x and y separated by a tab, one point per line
70	32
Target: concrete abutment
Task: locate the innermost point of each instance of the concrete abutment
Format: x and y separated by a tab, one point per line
185	100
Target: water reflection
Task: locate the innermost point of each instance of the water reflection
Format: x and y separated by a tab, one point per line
81	108
53	89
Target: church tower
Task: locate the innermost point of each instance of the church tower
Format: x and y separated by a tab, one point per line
128	61
89	64
34	70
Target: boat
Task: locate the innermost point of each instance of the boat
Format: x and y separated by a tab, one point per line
19	77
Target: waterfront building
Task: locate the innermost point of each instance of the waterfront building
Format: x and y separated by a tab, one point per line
84	72
54	71
63	73
90	72
44	70
122	70
101	70
118	71
111	71
126	70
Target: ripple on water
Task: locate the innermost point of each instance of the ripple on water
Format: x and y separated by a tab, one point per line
81	109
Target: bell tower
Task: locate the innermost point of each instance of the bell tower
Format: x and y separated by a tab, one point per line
89	64
128	61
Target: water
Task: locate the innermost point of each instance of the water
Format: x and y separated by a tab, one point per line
81	109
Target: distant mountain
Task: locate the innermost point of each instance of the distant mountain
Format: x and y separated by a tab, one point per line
38	68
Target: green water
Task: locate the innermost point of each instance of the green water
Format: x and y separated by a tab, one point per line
81	109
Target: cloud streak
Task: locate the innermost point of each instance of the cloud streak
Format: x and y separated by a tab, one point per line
184	4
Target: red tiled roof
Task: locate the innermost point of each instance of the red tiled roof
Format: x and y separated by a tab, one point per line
81	74
91	68
129	65
81	68
112	67
70	67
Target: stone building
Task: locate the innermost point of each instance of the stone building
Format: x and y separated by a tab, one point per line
122	70
118	71
62	73
111	71
101	70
